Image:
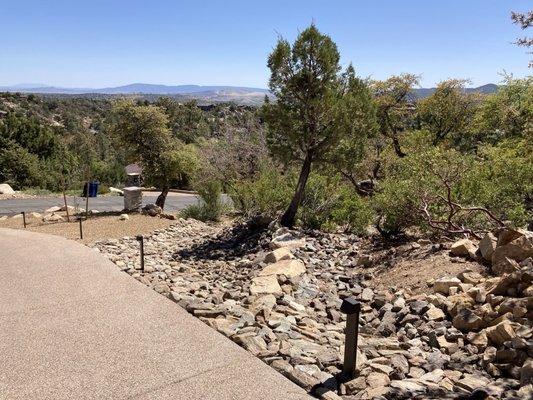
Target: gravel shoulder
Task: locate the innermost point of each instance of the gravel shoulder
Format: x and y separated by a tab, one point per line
95	228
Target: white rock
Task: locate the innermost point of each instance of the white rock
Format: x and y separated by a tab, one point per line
443	285
289	268
6	189
265	285
124	217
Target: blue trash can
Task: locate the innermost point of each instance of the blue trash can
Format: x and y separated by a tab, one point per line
93	188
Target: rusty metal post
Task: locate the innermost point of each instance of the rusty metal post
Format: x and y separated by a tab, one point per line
80	219
140	238
351	307
24	218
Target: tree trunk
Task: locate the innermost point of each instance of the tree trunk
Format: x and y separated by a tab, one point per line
397	148
162	198
290	215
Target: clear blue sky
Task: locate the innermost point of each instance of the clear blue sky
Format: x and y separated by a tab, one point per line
97	43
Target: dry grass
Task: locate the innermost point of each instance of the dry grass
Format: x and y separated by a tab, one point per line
95	228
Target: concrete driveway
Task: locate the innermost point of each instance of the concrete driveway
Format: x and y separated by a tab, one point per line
74	327
174	202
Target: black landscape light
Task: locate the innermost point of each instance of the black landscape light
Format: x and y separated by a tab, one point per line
24	218
140	238
351	307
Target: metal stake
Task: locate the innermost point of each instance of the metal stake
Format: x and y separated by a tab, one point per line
80	219
140	238
24	218
351	307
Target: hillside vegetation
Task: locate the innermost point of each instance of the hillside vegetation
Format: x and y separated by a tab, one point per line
333	151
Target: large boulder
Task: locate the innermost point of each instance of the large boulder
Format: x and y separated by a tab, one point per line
501	333
487	245
463	248
265	285
506	257
507	235
6	189
466	320
274	256
443	285
289	268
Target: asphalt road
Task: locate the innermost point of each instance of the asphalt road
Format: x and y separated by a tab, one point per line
174	202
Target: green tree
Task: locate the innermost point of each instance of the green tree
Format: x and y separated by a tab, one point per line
144	132
508	113
312	111
448	111
395	107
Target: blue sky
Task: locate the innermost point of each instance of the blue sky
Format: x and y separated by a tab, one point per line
101	43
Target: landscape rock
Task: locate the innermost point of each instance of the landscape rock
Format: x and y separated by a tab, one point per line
6	189
443	285
500	333
526	372
52	218
463	248
289	268
283	253
123	217
285	309
467	320
265	285
487	245
287	240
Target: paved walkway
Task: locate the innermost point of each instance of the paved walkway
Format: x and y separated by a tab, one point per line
72	326
174	202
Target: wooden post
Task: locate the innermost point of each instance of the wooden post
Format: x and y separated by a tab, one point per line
87	200
64	195
80	219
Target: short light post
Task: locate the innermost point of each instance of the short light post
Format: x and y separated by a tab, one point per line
24	218
140	238
351	307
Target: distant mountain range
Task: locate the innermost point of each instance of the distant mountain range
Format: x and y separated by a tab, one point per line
204	94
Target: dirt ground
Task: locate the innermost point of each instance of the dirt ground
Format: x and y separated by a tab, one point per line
412	275
95	228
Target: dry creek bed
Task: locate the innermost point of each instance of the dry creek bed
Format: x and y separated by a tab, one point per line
283	307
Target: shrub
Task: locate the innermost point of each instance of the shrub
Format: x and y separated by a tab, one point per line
268	194
330	204
438	189
210	207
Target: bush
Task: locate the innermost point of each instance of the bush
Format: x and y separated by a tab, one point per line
210	207
438	189
20	168
502	180
330	204
268	194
